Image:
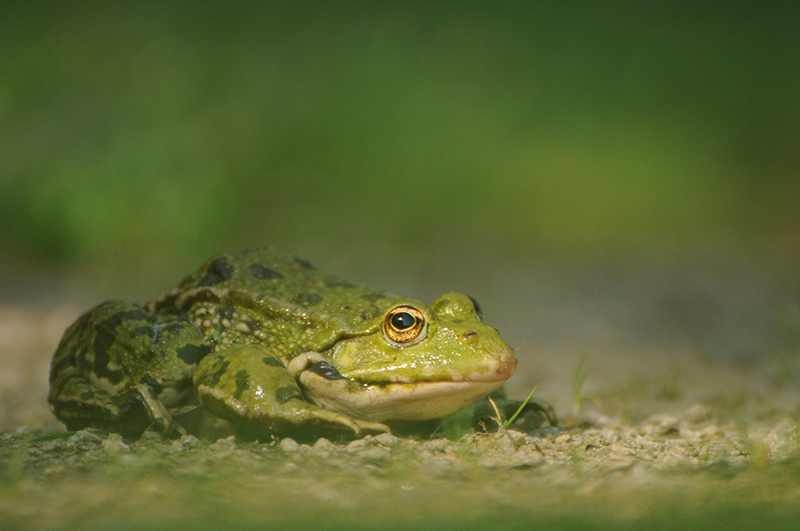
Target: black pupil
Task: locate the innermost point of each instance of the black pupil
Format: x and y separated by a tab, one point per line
403	320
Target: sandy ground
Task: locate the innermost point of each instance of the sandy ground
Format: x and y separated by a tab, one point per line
690	410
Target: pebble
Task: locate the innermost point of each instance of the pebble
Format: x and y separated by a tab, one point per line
289	445
387	439
114	445
697	413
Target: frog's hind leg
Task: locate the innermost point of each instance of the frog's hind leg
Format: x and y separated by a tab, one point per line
160	418
111	365
79	404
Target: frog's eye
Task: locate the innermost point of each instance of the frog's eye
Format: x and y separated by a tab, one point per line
404	326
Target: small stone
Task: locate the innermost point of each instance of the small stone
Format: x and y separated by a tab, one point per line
289	445
114	446
85	436
149	436
387	439
439	445
663	420
190	441
324	445
225	446
698	413
773	442
563	438
357	444
187	441
176	447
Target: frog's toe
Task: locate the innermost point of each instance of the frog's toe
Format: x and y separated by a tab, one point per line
339	422
166	427
150	414
314	421
366	427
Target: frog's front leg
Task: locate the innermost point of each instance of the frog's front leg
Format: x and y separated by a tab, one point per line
252	389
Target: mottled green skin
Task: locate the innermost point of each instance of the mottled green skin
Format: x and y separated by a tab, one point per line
287	305
117	355
220	343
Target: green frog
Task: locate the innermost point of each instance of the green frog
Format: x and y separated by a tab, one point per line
268	345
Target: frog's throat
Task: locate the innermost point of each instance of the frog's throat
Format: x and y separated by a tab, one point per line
394	401
388	401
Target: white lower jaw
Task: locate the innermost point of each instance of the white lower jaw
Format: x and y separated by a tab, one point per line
394	401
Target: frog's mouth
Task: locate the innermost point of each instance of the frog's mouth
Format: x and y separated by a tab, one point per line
388	401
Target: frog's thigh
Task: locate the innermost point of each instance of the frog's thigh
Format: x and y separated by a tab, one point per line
91	380
251	388
73	399
79	404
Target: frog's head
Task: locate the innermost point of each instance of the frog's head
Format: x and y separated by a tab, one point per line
414	363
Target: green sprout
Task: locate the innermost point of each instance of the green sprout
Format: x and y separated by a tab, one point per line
578	380
507	423
796	430
756	450
501	426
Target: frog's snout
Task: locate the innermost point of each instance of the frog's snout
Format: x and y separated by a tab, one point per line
506	364
498	365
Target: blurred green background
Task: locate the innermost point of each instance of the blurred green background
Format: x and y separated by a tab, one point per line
147	136
556	160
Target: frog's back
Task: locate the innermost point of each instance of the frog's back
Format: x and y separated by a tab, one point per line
285	278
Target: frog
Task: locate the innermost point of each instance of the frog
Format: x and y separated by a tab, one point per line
264	344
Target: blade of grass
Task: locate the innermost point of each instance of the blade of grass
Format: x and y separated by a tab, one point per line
507	423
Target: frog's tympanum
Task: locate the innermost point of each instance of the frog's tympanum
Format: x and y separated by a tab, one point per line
273	346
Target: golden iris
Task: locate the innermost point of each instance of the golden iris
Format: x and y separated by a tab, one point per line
403	325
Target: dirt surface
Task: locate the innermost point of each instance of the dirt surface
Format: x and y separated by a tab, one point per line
686	417
616	475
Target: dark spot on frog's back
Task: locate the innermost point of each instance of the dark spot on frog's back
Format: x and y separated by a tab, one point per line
191	354
105	334
144	331
106	330
284	394
264	273
307	299
272	362
220	366
338	283
76	329
218	271
242	383
305	264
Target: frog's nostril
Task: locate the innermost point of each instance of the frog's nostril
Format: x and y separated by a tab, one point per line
471	334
